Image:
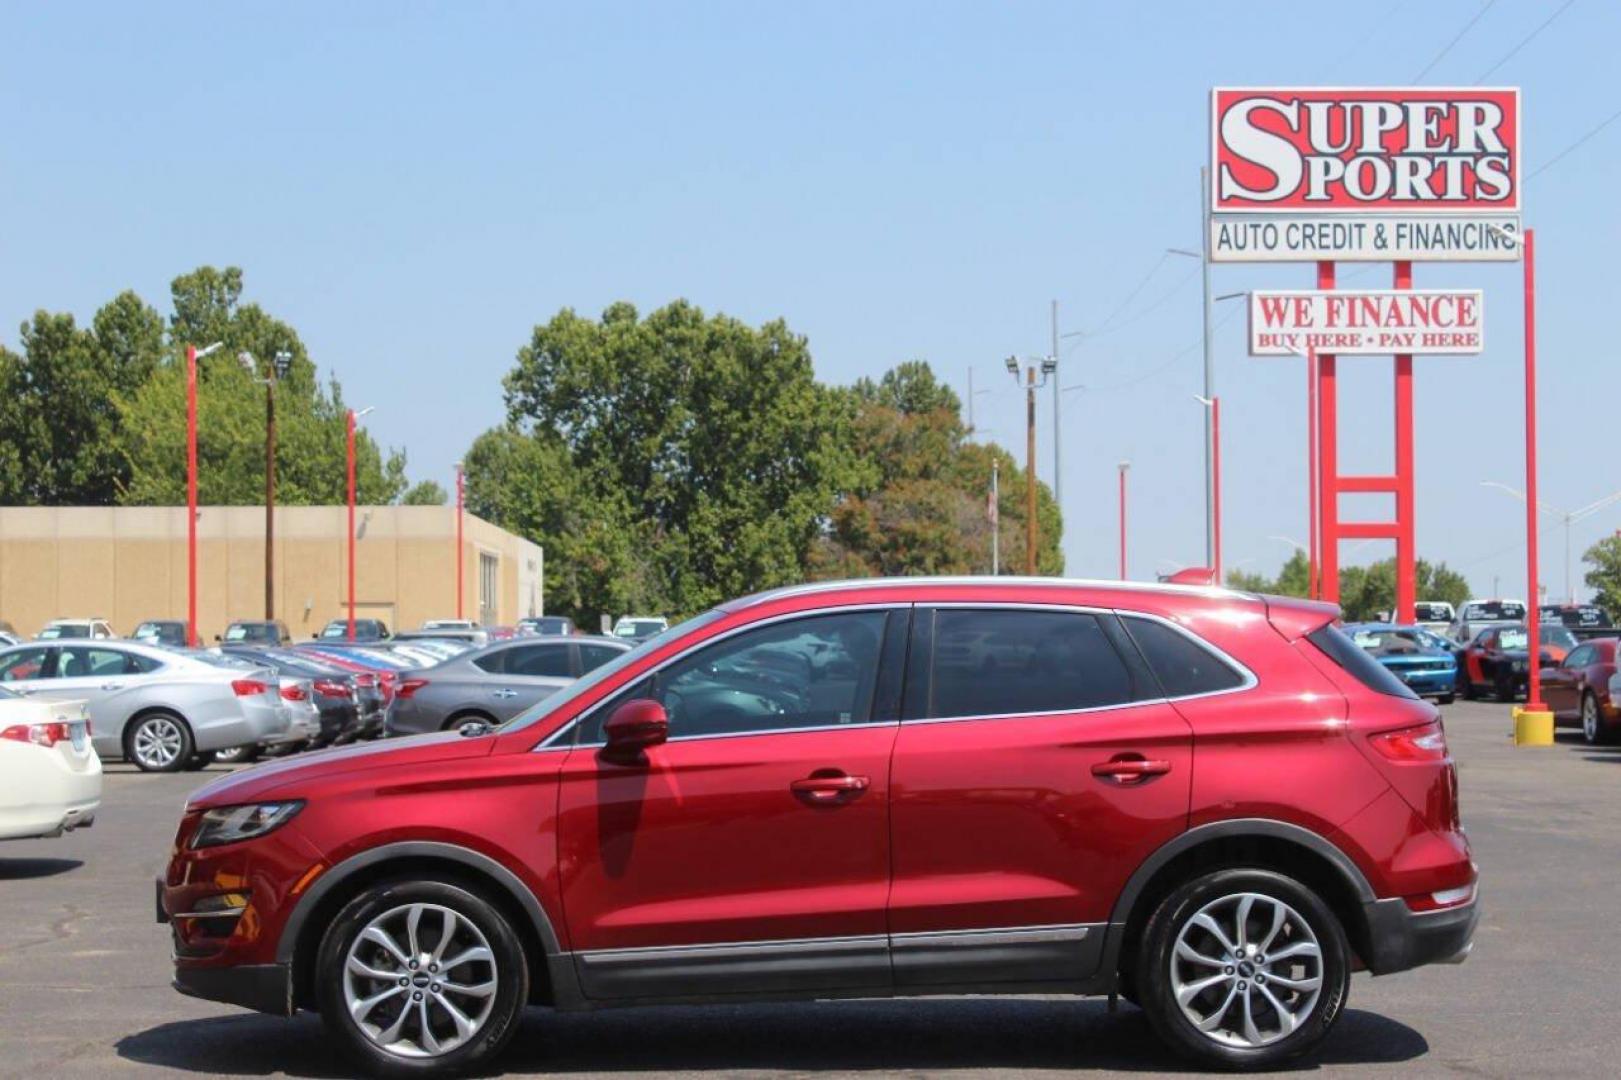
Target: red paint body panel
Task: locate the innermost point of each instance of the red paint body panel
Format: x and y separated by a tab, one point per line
959	824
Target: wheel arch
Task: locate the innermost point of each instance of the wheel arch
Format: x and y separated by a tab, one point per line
301	936
462	716
136	715
1260	842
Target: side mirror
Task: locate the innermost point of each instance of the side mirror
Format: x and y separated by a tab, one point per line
634	727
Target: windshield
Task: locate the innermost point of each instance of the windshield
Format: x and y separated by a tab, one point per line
65	630
1493	610
1557	635
1433	612
607	671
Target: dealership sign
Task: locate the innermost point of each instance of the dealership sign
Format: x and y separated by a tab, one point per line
1366	322
1377	174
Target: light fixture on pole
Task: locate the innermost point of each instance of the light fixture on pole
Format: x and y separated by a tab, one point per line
1209	370
354	417
193	354
1567	517
1213	404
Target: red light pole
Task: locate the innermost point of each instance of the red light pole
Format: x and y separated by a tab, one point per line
456	563
1124	466
350	446
1311	470
1533	696
193	354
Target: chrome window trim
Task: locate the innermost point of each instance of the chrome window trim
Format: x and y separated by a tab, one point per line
992	935
551	741
1004	581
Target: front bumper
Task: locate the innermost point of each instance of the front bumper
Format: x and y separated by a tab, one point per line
266	988
1400	938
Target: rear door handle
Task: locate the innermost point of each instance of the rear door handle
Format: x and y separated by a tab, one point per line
1130	770
829	789
506	693
112	686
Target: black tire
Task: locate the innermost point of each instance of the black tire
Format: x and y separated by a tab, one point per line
149	724
1504	688
1594	729
1157	953
246	754
1444	699
1466	685
510	973
199	761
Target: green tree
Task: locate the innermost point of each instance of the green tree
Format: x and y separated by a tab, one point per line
704	446
1605	575
425	493
311	419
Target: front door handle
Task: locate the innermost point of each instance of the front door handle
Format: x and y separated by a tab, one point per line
827	789
112	686
505	693
1130	770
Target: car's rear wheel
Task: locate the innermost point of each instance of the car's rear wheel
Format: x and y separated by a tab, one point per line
1593	727
158	742
1243	969
421	977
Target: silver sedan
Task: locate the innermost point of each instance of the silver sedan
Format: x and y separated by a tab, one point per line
156	708
495	683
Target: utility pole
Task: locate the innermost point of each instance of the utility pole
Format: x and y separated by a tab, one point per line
1058	427
970	399
1124	467
270	499
1030	387
996	519
1209	375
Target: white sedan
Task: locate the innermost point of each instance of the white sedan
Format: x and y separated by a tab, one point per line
50	776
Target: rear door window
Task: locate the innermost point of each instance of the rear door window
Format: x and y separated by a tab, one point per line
990	662
594	656
1183	666
544	660
1353	658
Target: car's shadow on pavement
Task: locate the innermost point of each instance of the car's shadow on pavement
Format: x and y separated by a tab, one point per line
957	1033
23	869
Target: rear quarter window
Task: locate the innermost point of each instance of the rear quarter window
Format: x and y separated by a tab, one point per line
1183	666
1333	642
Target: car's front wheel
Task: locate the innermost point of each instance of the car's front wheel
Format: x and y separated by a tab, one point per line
1593	729
421	977
158	742
1243	969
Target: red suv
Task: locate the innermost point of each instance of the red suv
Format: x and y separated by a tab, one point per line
1210	803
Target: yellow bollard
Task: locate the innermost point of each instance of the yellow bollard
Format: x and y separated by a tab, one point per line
1532	728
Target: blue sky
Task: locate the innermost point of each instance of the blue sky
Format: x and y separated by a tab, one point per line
415	186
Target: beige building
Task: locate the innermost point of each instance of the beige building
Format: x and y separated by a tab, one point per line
127	564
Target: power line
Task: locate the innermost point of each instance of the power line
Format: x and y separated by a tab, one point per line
1132	295
1526	40
1151	308
1545	166
1173	358
1487	6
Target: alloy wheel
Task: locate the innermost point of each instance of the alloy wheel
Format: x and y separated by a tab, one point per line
157	742
420	980
1590	730
1246	970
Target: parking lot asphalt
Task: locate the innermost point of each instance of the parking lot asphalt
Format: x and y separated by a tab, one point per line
84	969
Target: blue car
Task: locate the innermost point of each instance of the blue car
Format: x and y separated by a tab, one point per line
1424	660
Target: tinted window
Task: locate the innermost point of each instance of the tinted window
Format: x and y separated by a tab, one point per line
83	662
22	664
1354	659
1000	663
547	660
813	672
495	663
594	656
1183	666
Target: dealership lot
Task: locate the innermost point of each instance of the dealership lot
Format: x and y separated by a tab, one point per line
84	969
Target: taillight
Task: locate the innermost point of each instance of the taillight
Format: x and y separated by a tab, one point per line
46	735
409	687
294	693
248	687
331	688
1424	744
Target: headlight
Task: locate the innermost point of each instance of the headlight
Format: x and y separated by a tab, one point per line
229	824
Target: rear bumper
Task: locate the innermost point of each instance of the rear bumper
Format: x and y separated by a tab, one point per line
1400	938
266	988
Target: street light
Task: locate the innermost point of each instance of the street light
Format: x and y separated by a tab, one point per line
456	563
193	354
1569	517
1213	404
1310	356
350	443
1209	377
